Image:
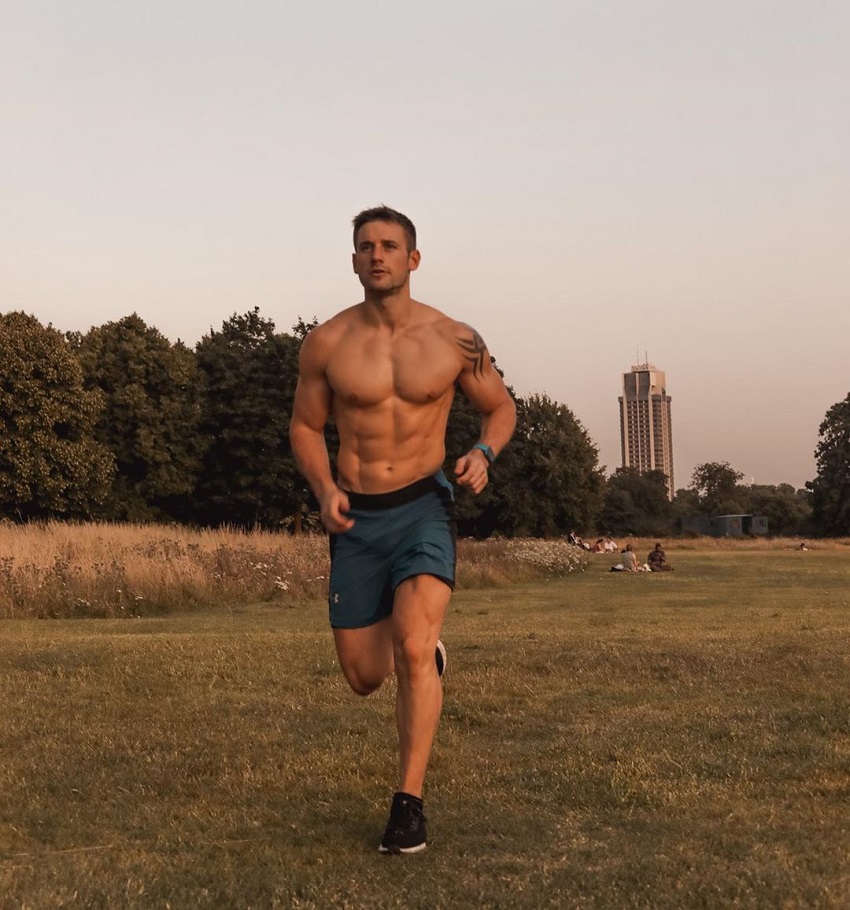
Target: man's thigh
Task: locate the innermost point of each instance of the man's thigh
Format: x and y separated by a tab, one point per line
419	608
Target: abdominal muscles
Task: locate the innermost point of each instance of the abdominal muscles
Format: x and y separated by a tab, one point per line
391	444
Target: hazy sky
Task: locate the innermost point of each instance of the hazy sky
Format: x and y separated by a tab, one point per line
591	181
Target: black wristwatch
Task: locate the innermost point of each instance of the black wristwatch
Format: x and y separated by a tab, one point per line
489	454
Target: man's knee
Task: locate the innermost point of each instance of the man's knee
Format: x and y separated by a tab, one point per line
363	687
414	654
361	681
365	656
366	673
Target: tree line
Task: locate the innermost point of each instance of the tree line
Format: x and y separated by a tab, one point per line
121	424
637	504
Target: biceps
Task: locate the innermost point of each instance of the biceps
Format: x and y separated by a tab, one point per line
312	403
487	394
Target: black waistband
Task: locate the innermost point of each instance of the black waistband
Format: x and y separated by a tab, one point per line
373	501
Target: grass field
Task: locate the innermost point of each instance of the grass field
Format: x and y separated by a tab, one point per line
676	740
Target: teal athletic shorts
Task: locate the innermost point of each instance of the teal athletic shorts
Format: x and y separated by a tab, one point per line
396	535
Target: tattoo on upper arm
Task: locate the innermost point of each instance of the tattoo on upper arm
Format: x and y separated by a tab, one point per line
475	351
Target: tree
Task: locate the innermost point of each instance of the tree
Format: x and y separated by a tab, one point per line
50	464
249	376
150	420
548	480
788	511
831	488
636	503
716	485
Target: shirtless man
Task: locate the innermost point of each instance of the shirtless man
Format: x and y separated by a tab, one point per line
386	370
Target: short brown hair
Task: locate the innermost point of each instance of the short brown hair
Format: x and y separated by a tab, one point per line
385	213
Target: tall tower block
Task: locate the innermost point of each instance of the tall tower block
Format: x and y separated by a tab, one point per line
646	426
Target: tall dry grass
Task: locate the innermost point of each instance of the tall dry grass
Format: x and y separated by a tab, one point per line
57	569
100	570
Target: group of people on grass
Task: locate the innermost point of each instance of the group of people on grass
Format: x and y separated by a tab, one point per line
602	545
656	561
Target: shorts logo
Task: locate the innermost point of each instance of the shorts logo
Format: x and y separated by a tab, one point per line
336	598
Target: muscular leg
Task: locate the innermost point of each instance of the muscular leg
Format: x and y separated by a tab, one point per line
418	611
366	655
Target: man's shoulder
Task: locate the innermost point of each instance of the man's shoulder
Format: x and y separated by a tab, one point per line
332	329
320	342
442	323
341	320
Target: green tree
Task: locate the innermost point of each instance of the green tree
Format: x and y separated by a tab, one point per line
788	511
150	419
831	488
636	503
686	504
249	476
548	480
716	485
50	464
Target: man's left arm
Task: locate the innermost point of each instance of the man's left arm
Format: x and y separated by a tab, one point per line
483	386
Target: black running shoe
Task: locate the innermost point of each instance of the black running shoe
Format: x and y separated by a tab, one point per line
441	658
406	828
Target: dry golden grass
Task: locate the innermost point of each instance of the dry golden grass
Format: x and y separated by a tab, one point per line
99	570
59	570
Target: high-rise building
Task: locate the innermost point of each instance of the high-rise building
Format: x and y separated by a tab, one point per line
646	427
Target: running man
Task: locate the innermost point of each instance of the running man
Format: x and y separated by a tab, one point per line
385	369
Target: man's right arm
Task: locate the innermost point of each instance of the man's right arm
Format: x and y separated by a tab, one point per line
483	386
310	413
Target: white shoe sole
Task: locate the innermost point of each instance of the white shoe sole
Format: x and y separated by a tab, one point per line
417	849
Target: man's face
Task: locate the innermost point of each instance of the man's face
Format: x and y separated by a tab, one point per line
381	258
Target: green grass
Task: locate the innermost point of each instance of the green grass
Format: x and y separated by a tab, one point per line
648	741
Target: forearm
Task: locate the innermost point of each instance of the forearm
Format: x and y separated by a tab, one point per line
497	427
311	455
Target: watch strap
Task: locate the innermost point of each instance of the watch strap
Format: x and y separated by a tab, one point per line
489	454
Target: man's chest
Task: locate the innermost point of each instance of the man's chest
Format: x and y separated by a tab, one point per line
369	372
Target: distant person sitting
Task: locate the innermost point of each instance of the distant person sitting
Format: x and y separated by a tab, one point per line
657	560
577	541
599	546
629	561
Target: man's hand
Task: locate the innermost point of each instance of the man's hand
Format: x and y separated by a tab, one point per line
471	470
334	505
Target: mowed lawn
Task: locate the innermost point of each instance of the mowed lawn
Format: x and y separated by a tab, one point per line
655	741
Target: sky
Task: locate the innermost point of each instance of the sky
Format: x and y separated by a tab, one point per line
594	183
